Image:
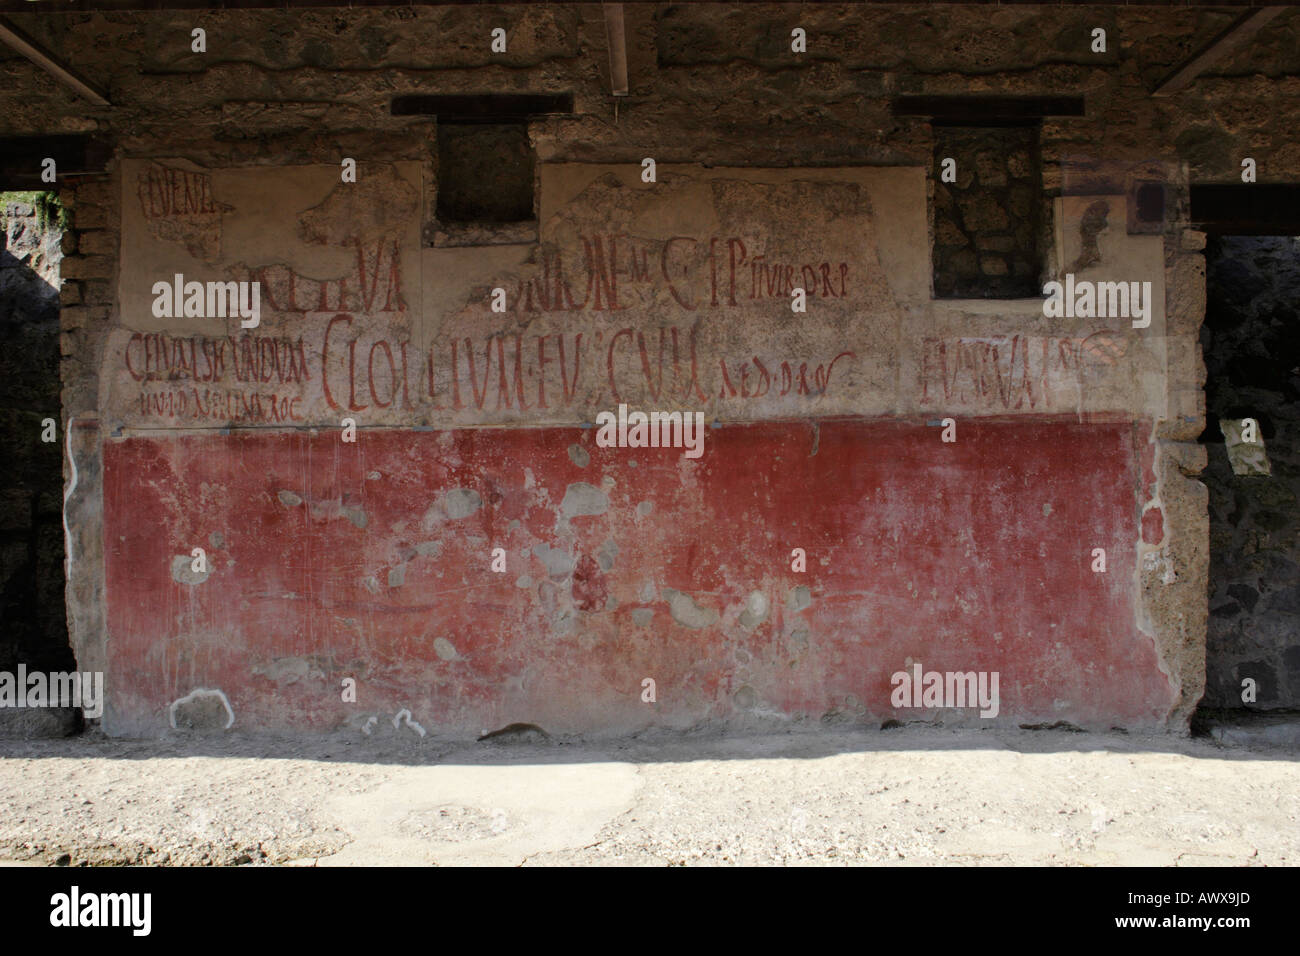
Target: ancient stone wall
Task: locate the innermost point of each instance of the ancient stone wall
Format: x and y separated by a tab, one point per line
31	528
986	235
776	170
1251	355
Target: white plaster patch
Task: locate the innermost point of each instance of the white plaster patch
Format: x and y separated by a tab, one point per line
405	715
288	670
801	597
456	504
755	610
558	563
687	612
581	498
1246	457
183	570
1160	560
195	695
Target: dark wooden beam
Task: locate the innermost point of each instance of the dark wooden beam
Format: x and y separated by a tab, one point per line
483	107
617	38
1229	41
1246	209
981	110
11	36
75	6
73	154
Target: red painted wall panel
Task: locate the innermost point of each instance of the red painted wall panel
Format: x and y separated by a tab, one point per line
330	560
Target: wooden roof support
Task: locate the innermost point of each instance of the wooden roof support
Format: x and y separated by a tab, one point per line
1231	39
617	48
15	38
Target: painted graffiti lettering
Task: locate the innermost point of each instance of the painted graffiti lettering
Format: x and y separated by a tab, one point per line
664	257
757	381
221	405
617	263
602	271
166	192
776	280
361	370
514	372
374	286
155	356
550	291
1013	372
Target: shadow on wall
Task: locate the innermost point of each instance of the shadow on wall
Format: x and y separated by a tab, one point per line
34	631
399	746
1251	343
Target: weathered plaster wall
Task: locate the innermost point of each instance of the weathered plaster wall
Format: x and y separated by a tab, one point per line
675	295
373	561
329	559
285	95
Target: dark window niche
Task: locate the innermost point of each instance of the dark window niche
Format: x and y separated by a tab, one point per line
987	223
486	166
1147	208
485	173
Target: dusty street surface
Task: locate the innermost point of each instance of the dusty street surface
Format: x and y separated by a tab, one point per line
917	795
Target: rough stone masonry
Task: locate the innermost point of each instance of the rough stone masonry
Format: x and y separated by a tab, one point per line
387	497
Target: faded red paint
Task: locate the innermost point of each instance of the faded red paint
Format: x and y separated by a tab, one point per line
1148	469
974	555
1153	526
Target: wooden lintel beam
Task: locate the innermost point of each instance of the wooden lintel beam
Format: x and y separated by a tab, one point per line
989	110
1246	209
1229	41
74	154
13	37
483	107
617	38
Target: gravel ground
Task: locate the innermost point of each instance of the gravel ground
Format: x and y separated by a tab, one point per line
909	796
